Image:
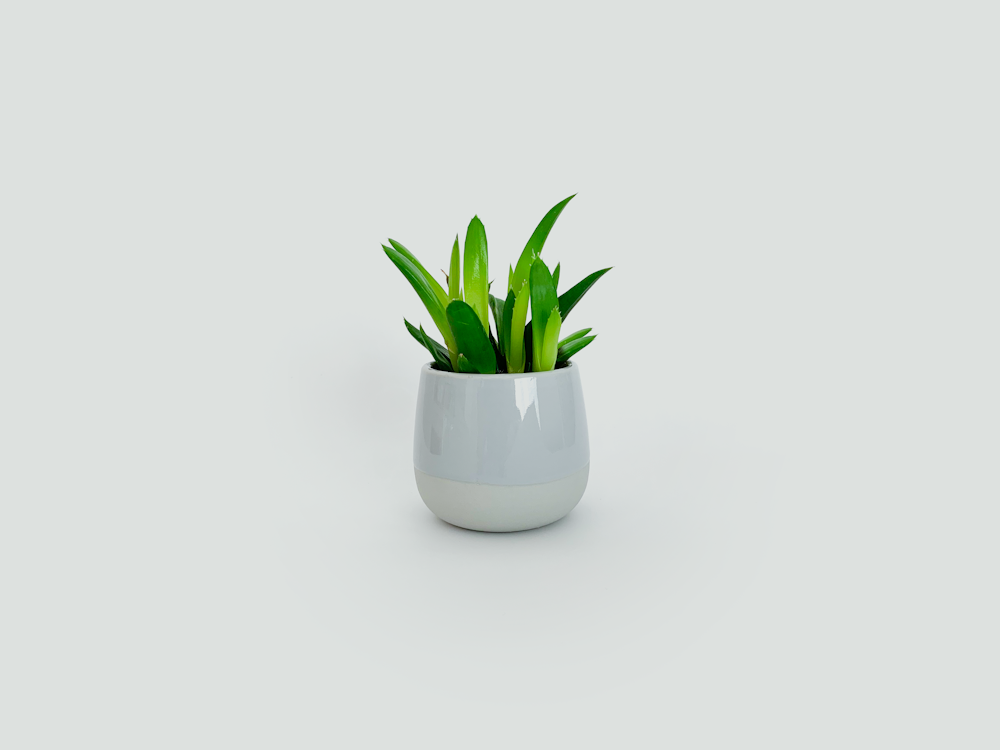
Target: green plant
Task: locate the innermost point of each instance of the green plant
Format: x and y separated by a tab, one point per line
462	313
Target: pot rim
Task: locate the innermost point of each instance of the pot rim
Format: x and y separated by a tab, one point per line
499	375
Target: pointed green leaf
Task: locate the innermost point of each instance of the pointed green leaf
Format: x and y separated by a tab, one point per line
434	284
568	300
441	355
476	276
543	301
555	277
510	279
438	352
534	247
497	305
454	274
574	336
464	365
516	360
508	314
420	339
546	359
470	337
565	352
425	290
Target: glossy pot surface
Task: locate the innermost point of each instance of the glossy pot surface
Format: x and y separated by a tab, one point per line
480	437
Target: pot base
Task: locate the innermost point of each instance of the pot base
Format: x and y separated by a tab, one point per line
492	507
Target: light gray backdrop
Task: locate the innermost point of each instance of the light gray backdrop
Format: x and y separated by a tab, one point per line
209	531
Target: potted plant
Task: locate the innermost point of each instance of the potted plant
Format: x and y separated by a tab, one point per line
501	440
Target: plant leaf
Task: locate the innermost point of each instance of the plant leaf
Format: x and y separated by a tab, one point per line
535	243
441	355
510	278
464	365
470	337
574	336
434	284
476	279
543	301
508	314
516	360
528	363
455	274
565	352
501	360
497	305
555	277
425	290
568	299
438	352
550	344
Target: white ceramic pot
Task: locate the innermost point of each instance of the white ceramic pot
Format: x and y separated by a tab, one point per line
501	452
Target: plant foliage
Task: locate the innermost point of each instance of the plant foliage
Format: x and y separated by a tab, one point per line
462	311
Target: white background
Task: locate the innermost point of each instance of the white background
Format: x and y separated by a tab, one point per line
209	530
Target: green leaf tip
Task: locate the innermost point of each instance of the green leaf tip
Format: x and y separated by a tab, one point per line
567	351
574	336
440	355
426	287
454	273
543	302
517	356
568	300
535	243
546	359
464	365
476	271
